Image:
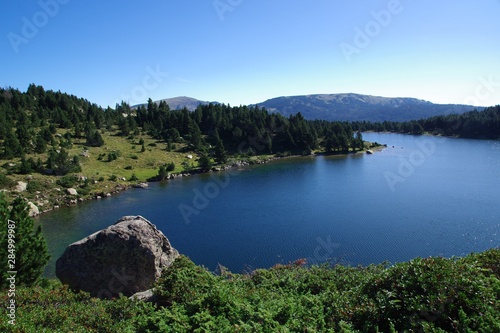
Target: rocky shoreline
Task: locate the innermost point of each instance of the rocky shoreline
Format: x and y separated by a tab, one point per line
70	196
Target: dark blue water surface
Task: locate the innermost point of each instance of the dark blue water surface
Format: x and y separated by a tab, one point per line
420	196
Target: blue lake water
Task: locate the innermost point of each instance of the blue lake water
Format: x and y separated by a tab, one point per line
420	196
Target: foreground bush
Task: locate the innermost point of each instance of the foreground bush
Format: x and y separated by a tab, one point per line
423	295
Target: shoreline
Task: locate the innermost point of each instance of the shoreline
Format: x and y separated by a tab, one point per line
119	188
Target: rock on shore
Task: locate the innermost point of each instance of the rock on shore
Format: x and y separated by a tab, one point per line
127	257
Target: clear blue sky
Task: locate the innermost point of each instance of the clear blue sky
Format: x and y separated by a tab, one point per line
246	51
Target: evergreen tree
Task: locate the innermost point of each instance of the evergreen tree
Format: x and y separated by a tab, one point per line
220	152
123	125
94	138
24	244
331	141
417	128
11	145
24	137
51	159
52	129
195	136
343	142
358	140
268	143
25	167
46	134
205	163
78	129
40	144
60	163
162	172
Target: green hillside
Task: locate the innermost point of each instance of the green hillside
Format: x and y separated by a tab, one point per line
52	141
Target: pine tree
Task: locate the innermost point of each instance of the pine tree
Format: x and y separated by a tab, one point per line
78	129
205	163
11	146
220	152
344	142
359	140
40	144
162	172
94	138
24	244
195	136
331	141
23	136
25	167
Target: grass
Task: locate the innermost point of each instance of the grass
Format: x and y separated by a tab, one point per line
130	161
145	166
130	164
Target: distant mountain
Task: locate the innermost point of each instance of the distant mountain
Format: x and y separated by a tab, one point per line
178	103
355	107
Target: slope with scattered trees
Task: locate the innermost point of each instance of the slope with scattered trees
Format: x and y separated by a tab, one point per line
54	139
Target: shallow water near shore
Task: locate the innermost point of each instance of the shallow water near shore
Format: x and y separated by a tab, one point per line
420	196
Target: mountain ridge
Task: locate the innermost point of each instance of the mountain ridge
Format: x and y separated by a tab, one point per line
179	102
359	107
342	107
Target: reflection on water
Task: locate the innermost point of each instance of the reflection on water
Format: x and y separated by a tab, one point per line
442	199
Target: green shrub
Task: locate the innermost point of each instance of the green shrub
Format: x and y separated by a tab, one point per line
57	309
425	292
36	185
183	282
170	166
423	295
68	181
5	181
113	155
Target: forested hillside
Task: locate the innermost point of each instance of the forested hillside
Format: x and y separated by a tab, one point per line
474	124
29	121
60	140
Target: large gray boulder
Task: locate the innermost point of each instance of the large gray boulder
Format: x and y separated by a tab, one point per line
21	187
71	191
127	257
33	209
